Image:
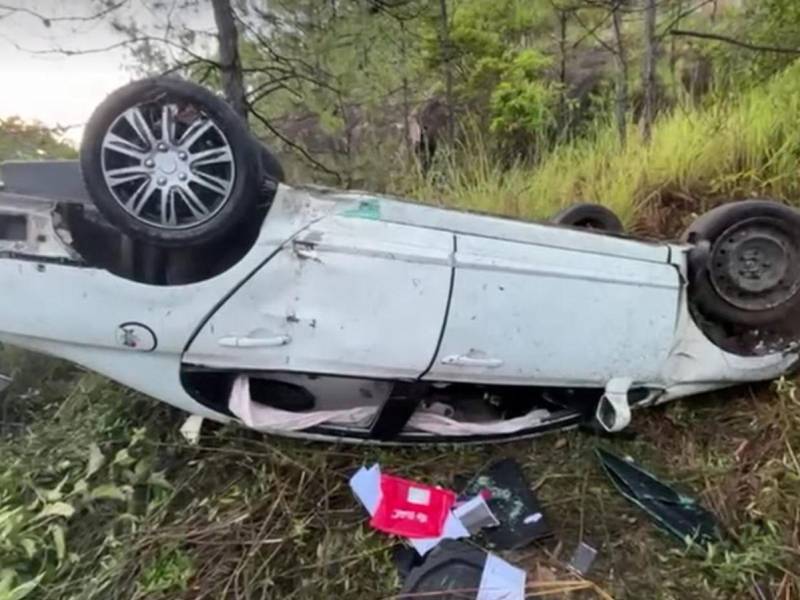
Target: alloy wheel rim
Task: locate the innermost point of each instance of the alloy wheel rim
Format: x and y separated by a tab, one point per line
168	165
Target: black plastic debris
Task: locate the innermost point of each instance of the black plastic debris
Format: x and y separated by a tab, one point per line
673	512
405	559
521	517
453	569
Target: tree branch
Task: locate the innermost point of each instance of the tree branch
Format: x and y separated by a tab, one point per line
47	21
733	41
681	16
592	31
122	44
292	144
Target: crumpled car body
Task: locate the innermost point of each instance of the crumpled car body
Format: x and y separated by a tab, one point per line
364	317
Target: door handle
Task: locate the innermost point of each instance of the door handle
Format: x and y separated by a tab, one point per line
470	361
255	342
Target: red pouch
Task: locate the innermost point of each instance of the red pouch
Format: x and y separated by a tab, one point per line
411	509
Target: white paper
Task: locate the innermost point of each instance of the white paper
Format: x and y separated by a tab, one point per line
501	581
419	496
453	529
366	485
191	428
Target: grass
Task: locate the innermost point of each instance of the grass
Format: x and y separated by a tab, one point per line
101	498
738	147
243	515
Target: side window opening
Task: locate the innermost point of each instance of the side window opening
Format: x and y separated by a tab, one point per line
13	228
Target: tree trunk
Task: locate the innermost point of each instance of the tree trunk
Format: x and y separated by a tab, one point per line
673	51
406	92
447	55
649	76
621	102
229	60
562	69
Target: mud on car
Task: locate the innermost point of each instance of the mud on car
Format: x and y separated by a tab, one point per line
173	258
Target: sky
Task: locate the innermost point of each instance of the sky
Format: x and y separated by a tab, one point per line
53	88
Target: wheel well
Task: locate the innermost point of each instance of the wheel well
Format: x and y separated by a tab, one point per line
103	246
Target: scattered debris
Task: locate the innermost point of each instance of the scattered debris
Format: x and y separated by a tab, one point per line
521	518
405	559
458	570
453	568
411	509
497	504
418	512
366	485
475	514
675	513
191	428
501	580
582	559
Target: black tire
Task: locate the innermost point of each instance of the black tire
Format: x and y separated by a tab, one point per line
244	191
744	269
588	215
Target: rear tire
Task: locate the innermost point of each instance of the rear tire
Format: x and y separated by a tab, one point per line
745	267
588	215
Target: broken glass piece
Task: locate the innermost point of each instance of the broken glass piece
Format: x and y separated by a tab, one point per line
583	558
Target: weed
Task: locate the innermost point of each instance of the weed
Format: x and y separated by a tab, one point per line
170	571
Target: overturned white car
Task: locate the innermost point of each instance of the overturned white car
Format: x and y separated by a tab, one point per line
173	260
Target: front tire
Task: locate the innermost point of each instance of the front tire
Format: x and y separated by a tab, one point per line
169	163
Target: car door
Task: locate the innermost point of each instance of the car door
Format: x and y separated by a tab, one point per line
535	314
348	295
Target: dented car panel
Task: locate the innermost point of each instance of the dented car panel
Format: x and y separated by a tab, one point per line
347	296
363	296
82	310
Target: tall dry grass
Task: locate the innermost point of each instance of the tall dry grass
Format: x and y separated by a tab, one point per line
732	148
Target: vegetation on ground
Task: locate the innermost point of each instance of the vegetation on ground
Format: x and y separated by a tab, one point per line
102	498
